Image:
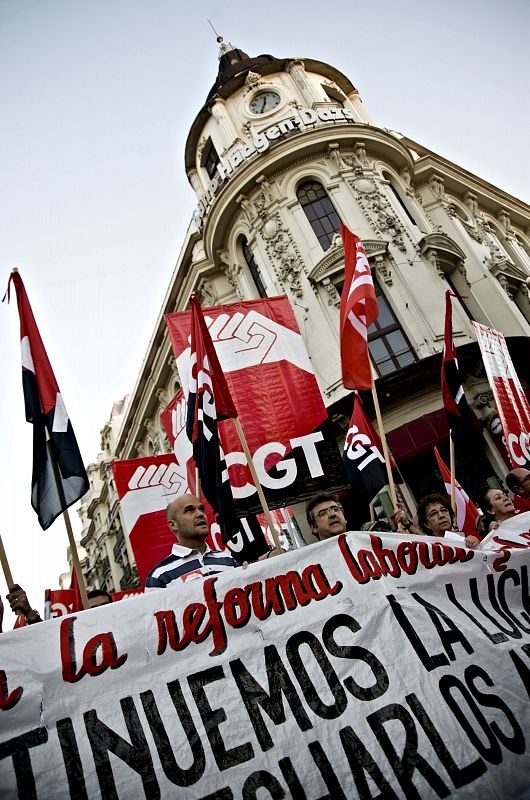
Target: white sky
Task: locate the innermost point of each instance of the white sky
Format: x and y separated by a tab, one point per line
96	102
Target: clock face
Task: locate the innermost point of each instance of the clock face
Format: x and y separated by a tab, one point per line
264	101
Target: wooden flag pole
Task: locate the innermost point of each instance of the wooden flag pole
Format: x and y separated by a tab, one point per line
75	559
257	484
453	478
5	566
197	483
386	454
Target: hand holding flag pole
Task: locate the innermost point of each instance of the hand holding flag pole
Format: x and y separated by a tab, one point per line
59	478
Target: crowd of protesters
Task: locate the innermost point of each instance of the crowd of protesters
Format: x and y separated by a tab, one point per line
191	556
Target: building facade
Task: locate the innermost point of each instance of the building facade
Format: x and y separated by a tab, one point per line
106	559
281	152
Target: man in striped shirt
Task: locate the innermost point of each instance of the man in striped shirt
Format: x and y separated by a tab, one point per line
191	558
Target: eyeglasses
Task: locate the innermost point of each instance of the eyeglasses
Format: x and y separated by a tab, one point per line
325	512
436	512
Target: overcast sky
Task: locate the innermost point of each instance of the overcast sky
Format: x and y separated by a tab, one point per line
97	99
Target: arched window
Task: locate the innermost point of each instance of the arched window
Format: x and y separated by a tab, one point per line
320	211
253	268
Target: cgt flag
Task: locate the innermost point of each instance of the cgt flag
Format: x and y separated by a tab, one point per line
466	511
362	456
209	401
358	309
459	416
59	478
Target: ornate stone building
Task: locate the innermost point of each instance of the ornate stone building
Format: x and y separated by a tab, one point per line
105	555
281	151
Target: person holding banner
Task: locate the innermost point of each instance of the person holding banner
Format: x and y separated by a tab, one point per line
436	516
325	516
191	558
497	507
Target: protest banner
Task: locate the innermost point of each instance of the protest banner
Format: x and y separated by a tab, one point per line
278	400
145	487
511	402
359	667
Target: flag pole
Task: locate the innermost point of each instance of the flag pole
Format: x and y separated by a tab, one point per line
257	484
5	566
75	559
386	454
66	516
453	471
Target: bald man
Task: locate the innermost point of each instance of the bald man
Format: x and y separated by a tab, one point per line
518	482
190	558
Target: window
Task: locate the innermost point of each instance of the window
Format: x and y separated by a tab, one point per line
211	160
388	346
320	212
254	269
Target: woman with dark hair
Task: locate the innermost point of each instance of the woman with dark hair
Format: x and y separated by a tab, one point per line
497	506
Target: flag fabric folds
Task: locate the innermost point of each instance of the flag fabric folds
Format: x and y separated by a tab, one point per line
358	309
209	401
362	455
466	511
459	415
59	478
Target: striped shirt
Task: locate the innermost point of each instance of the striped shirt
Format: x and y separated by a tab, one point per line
185	564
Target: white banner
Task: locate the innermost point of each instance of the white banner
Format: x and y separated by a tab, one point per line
363	666
510	399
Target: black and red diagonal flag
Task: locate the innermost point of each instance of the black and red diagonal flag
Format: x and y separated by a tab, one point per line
459	416
209	401
362	455
59	477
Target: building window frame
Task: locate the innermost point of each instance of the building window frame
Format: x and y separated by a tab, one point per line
319	211
382	333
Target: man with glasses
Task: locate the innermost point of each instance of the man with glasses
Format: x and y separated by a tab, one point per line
518	482
325	516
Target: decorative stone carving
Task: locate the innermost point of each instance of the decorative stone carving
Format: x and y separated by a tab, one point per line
436	182
200	146
335	156
443	253
162	396
331	289
265	196
503	280
384	270
139	447
283	252
461	269
232	272
379	213
504	218
247	206
471	203
206	293
172	364
253	80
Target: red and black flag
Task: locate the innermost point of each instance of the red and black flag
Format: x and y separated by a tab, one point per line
209	401
459	416
362	456
59	477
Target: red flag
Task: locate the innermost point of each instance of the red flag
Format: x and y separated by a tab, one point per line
358	309
59	477
459	415
466	511
77	604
